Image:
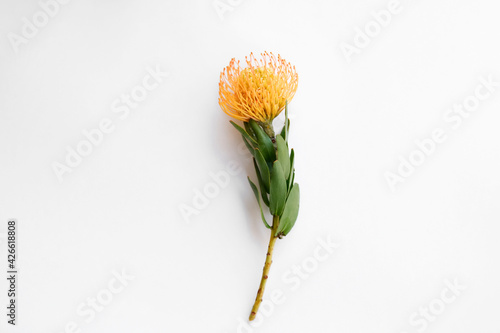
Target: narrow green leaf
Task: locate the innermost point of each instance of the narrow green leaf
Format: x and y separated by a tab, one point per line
278	190
292	170
285	129
265	144
249	146
263	168
291	211
291	180
283	155
256	192
286	126
244	133
250	131
263	191
287	121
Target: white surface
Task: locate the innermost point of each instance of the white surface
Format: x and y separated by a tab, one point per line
119	209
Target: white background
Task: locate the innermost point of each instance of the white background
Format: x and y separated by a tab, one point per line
119	209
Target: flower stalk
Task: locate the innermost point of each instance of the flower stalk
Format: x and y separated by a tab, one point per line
266	269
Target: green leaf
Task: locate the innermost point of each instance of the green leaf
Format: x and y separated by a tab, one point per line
256	192
250	131
285	129
292	170
278	190
286	126
290	181
244	133
283	155
291	212
262	187
263	168
265	144
249	146
287	121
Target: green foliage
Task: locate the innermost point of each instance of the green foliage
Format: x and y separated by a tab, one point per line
274	168
263	190
265	173
290	213
244	133
256	192
264	142
283	158
278	193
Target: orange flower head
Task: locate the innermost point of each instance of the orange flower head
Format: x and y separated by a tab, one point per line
258	91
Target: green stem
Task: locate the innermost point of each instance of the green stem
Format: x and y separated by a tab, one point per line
267	267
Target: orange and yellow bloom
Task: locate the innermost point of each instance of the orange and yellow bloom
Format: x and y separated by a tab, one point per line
258	91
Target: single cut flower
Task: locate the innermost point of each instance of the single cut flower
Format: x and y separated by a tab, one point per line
257	94
258	91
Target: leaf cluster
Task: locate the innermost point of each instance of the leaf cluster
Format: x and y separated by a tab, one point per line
274	167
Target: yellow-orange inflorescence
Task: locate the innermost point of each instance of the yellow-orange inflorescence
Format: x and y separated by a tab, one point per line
258	91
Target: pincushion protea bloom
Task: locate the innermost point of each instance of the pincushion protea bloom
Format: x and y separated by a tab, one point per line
260	90
256	95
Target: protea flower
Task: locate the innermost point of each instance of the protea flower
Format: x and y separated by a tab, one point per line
256	94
